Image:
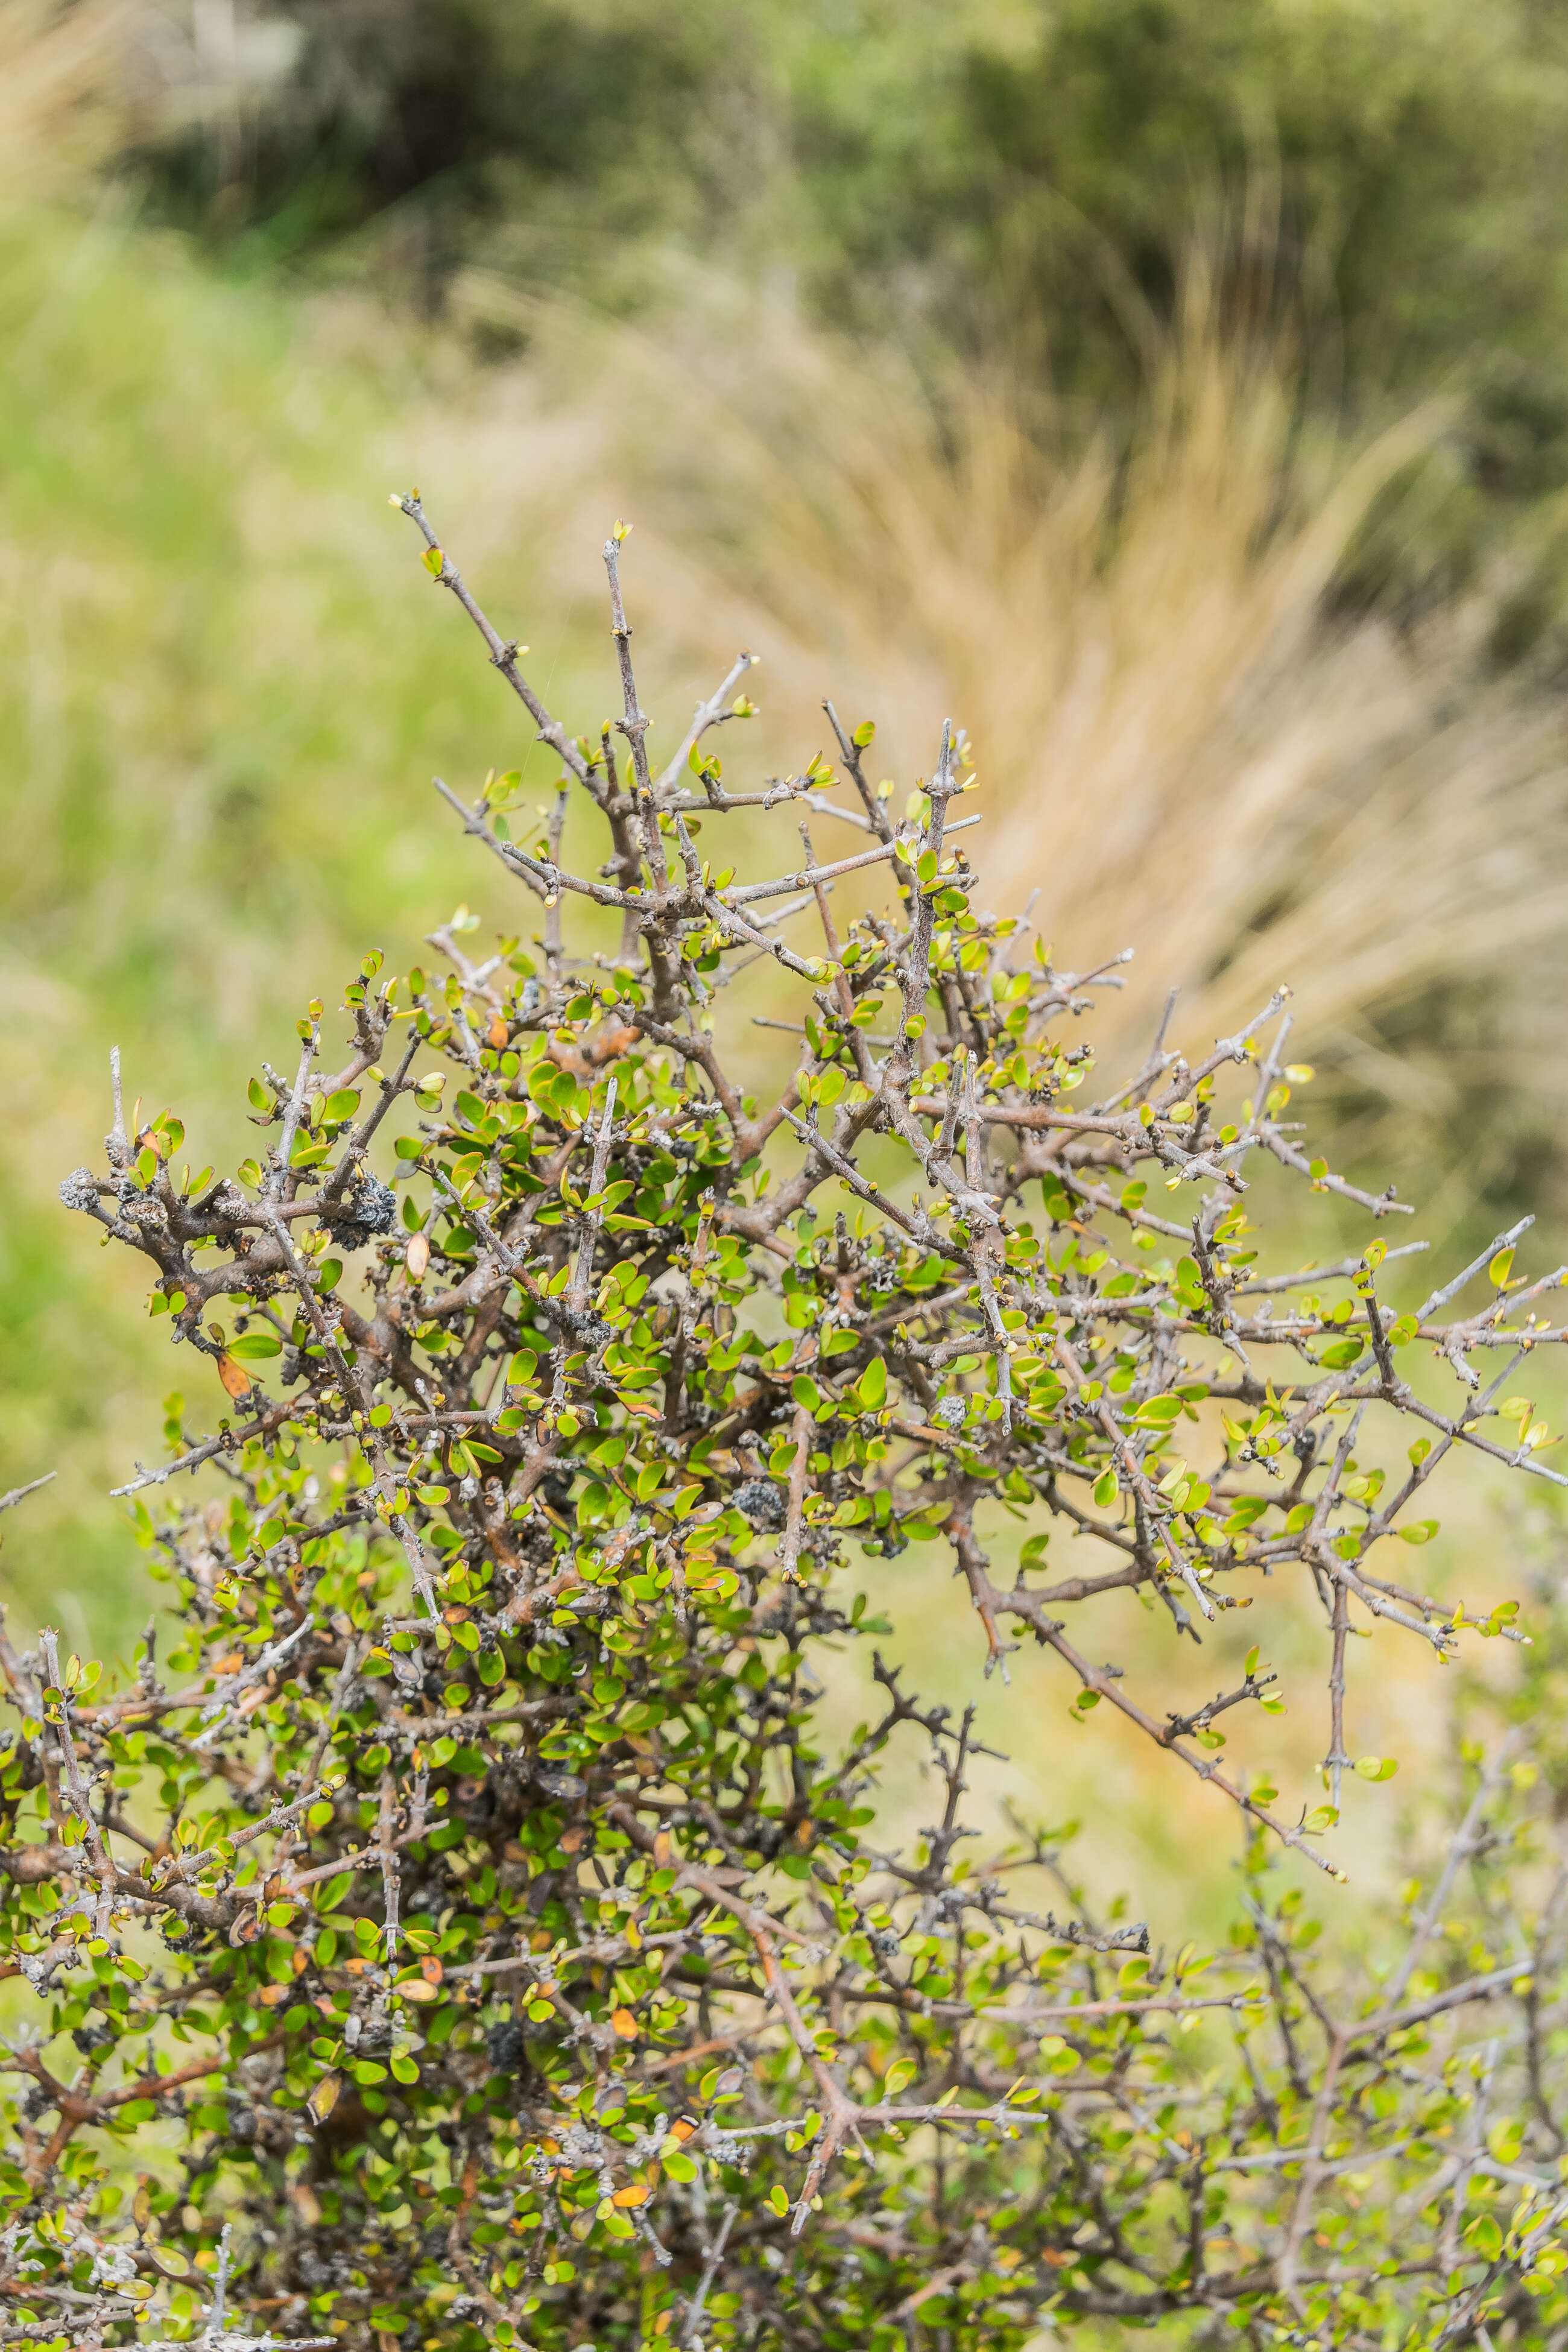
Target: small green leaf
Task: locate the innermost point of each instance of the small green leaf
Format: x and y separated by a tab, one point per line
1160	1412
1244	1512
1375	1767
253	1345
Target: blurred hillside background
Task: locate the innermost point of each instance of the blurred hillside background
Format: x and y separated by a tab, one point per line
1176	391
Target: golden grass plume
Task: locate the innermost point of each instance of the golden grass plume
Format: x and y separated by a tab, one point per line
64	91
1188	749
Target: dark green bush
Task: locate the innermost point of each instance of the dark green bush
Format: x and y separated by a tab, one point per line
461	1930
1396	169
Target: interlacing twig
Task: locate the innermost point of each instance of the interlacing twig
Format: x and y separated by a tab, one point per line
478	1898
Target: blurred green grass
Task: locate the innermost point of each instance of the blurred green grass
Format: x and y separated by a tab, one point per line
226	684
224	688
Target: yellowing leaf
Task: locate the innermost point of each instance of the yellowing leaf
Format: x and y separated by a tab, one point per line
324	2098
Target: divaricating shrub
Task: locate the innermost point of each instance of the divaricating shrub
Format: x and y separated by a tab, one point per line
460	1928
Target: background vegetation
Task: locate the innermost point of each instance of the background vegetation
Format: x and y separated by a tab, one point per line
1180	391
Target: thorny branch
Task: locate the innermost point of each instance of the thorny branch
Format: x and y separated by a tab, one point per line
545	1979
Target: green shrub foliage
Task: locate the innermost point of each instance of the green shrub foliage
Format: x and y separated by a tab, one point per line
461	1926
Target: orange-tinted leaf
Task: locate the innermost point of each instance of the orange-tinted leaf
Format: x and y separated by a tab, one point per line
634	2193
624	2024
235	1377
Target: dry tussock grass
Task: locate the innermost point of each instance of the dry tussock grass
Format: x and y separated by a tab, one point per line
63	90
1187	751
